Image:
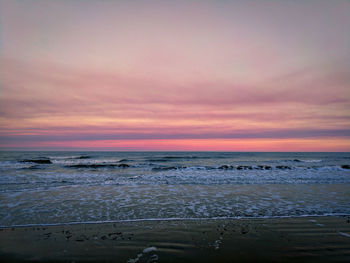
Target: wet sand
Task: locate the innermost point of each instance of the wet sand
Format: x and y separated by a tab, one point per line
305	239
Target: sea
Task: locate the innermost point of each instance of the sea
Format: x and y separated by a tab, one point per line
50	188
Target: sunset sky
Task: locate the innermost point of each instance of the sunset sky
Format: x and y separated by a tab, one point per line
175	75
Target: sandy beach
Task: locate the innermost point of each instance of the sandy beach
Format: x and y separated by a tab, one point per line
304	239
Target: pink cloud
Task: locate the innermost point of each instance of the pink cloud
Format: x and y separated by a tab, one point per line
183	70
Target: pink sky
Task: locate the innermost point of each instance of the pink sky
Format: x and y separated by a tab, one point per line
175	75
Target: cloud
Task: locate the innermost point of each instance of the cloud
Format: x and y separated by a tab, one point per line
35	89
43	102
167	134
74	72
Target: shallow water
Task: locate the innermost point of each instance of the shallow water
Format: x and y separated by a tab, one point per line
62	187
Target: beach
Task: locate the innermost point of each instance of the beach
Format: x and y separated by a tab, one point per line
302	239
174	207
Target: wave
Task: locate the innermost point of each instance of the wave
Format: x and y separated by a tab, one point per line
168	158
167	168
33	167
311	161
249	167
160	219
157	160
33	164
185	157
70	157
244	167
300	160
82	157
38	161
95	166
125	160
223	167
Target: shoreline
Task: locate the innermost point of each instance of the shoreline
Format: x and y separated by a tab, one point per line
291	239
172	219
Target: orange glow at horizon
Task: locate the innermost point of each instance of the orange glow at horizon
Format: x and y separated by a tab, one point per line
284	145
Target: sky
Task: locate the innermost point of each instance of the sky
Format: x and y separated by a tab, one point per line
175	75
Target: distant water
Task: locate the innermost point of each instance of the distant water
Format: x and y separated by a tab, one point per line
66	187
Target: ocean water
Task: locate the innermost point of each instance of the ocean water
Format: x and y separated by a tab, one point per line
73	187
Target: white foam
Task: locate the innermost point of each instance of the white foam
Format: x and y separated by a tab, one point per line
216	244
134	260
149	249
170	219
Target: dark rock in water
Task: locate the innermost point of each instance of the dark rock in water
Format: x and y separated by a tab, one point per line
244	167
346	166
226	167
263	167
37	161
296	160
123	165
283	167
